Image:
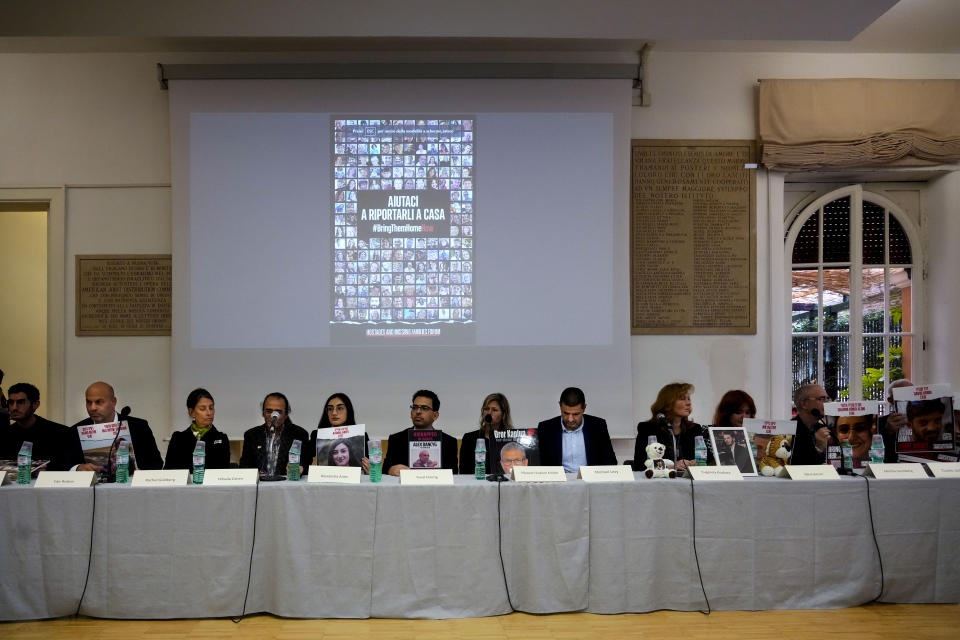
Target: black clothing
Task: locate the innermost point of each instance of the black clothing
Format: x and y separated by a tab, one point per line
254	454
182	444
805	445
146	453
686	441
398	450
51	441
596	441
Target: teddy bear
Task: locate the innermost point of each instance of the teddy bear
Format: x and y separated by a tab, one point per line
777	454
658	466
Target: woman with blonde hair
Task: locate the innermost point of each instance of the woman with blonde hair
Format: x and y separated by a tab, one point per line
671	426
494	414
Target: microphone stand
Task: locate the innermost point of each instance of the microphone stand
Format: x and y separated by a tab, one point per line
110	474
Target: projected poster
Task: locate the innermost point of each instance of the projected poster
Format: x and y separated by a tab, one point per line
403	227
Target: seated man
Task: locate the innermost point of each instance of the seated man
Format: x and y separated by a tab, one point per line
423	413
890	424
512	454
51	440
574	439
102	408
267	446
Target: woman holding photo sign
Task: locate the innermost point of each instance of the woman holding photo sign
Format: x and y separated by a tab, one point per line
338	412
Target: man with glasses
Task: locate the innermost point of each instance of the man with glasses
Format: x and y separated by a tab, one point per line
810	443
267	446
424	411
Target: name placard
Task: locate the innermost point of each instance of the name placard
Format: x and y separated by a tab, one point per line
902	470
722	473
425	476
160	478
812	472
230	477
944	469
335	475
539	474
606	473
66	479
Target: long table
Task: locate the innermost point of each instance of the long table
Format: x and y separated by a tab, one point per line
476	548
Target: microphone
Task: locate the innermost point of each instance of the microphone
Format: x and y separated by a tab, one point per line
111	473
274	419
816	414
661	417
488	419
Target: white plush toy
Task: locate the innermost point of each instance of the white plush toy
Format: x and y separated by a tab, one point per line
658	466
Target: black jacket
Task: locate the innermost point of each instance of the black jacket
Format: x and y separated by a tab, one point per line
182	443
51	441
596	441
145	450
254	454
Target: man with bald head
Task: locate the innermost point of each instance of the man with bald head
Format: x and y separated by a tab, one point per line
102	408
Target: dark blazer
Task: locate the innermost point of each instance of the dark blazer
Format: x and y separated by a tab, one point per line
467	460
51	441
889	440
145	449
254	454
398	451
805	446
596	441
182	443
686	441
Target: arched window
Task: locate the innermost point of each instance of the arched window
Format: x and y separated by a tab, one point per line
853	266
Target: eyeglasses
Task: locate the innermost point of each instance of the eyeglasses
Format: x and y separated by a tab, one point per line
820	398
420	407
858	427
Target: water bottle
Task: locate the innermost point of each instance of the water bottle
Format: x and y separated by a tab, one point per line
480	459
846	452
199	461
123	462
293	462
700	451
877	451
376	461
24	461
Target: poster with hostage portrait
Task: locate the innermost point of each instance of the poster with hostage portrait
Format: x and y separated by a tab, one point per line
340	446
514	448
856	423
930	432
772	444
424	449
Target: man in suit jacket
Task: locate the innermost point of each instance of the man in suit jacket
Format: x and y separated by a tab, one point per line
51	440
276	433
424	411
574	439
102	408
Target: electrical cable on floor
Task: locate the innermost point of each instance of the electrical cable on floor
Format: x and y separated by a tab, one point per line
696	556
503	567
253	545
86	579
876	543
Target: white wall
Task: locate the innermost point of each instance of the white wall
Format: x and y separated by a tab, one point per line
712	96
101	119
943	297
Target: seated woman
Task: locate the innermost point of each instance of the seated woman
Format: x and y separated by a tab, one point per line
182	443
670	424
734	406
338	412
494	414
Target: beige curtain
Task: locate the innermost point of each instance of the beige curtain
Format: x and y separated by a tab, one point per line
836	123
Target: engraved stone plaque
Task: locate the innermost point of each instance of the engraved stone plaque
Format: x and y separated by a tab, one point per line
693	239
123	295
